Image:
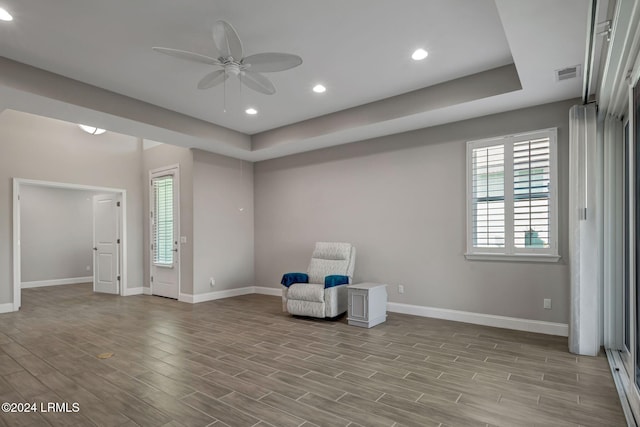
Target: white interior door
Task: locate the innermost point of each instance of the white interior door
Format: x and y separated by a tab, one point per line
106	244
165	259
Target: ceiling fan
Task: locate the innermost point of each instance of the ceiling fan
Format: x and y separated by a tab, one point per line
230	57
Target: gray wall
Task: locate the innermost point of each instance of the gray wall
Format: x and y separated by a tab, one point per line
223	234
34	147
219	236
401	200
160	156
56	233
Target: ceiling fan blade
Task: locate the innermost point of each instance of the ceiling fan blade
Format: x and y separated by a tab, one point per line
270	62
227	40
257	82
189	56
212	79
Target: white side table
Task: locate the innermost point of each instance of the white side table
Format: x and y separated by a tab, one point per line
367	304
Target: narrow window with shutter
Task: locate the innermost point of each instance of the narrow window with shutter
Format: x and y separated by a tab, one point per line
163	220
488	196
531	204
511	197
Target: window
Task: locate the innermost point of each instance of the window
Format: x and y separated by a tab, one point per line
511	197
163	220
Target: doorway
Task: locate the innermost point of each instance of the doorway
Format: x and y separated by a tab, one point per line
110	270
164	257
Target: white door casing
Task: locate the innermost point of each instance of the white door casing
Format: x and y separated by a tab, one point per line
106	244
164	256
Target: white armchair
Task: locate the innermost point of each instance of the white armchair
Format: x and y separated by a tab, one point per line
325	293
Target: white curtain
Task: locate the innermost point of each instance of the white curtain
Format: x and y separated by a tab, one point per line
585	230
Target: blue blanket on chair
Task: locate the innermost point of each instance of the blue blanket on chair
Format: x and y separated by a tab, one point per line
335	280
290	278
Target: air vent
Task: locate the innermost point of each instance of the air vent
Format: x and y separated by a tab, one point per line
568	73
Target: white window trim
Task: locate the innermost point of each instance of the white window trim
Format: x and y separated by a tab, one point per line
154	214
173	170
510	252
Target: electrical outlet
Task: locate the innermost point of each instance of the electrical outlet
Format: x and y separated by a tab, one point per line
88	268
401	289
212	281
547	303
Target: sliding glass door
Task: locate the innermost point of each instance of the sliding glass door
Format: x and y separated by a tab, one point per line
630	347
633	233
628	262
625	299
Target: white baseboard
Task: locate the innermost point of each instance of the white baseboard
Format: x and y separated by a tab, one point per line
263	290
146	290
56	282
518	324
6	308
210	296
133	291
185	298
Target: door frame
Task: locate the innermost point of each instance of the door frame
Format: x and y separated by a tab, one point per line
175	170
15	232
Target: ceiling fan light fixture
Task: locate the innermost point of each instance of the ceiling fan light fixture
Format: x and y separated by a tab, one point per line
419	54
5	16
92	130
251	111
319	88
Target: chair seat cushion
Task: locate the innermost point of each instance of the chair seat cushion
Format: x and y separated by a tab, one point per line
306	292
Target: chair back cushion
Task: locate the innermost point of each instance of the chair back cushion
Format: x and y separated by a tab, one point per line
330	258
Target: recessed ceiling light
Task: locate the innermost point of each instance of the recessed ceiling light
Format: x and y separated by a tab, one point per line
251	111
92	130
5	16
319	88
419	54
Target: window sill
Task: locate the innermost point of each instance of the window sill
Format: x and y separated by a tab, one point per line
512	258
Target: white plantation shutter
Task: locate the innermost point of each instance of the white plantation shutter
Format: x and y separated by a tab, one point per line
531	203
488	196
511	200
163	220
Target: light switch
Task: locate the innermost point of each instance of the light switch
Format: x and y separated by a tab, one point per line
183	239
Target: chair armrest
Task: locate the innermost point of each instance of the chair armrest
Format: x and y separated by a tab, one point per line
289	279
335	280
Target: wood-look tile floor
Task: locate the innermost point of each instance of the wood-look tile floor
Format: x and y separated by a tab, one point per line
242	362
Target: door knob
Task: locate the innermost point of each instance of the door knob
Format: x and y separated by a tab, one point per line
95	249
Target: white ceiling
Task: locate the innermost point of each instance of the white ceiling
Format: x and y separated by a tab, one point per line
359	49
